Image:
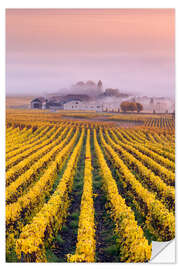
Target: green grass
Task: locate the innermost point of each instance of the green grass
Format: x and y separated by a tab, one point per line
112	250
51	257
11	257
75	215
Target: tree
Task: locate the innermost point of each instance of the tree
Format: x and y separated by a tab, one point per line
173	114
139	107
124	106
151	101
132	106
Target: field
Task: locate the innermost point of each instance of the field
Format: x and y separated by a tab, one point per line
20	102
83	190
19	117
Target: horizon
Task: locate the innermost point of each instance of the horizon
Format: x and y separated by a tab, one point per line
128	49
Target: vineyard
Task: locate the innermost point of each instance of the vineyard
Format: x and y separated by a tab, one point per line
84	191
20	117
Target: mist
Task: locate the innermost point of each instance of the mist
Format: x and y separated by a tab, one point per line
129	50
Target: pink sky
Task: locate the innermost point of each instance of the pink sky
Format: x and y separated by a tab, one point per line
129	49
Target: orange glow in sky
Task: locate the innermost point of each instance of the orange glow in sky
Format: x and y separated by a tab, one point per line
130	49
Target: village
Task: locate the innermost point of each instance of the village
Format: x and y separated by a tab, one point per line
90	96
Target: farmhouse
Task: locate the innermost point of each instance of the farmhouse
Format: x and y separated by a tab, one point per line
78	105
38	103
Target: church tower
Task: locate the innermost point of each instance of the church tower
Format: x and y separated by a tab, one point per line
100	86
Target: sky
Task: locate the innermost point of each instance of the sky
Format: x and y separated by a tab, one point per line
129	49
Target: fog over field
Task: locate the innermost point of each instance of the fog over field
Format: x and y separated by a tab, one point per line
132	50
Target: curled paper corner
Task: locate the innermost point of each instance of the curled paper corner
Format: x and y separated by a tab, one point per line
163	252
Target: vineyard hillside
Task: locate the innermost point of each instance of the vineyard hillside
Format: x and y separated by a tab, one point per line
80	189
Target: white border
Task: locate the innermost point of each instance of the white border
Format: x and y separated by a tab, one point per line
2	134
73	4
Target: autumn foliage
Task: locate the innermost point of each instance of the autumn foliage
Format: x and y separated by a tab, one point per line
131	106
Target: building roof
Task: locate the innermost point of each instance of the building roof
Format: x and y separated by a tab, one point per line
79	97
39	99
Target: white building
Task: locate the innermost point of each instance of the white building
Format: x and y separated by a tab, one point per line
159	105
111	107
164	106
77	105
